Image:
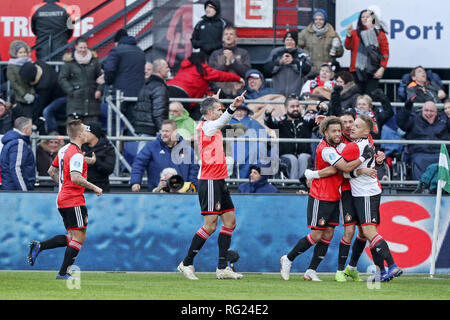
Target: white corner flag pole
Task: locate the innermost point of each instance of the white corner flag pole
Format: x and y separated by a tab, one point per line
436	227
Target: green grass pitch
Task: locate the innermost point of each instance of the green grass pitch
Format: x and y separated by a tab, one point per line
31	285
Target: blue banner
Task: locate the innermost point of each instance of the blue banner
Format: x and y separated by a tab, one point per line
152	232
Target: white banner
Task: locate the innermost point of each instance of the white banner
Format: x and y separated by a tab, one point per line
417	30
253	13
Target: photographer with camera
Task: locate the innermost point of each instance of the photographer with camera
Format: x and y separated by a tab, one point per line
171	182
288	65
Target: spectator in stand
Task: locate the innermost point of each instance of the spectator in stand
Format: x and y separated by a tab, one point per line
193	80
288	65
379	115
17	158
232	59
295	156
345	93
185	124
173	183
420	89
447	107
124	69
406	80
207	35
78	78
24	93
46	151
51	22
321	86
152	106
427	125
103	155
321	41
255	85
148	70
370	50
6	117
257	184
160	154
245	154
44	80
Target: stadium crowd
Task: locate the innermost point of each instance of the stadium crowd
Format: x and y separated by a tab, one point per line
304	69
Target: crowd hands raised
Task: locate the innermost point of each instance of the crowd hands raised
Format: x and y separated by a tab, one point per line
306	81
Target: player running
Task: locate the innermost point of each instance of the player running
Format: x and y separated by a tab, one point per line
69	169
324	196
214	197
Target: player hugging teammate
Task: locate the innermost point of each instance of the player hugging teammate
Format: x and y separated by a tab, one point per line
324	200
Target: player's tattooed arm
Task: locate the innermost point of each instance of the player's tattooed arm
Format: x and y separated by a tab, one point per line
53	172
77	178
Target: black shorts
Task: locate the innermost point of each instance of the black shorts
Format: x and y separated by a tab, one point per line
322	214
347	209
74	217
367	209
214	197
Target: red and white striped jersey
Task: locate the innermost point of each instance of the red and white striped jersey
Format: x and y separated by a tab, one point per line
70	158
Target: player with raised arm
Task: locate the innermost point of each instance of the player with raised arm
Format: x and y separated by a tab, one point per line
214	197
69	169
323	201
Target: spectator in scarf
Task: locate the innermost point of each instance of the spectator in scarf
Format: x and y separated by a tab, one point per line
320	40
369	50
322	85
24	93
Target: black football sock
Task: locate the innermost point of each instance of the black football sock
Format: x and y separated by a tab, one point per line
70	255
357	249
344	248
383	249
55	242
302	245
197	243
224	242
380	251
320	250
377	259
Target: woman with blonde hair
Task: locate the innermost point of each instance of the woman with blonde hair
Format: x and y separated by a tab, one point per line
24	93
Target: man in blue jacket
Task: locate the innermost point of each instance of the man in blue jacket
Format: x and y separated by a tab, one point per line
257	184
17	159
168	150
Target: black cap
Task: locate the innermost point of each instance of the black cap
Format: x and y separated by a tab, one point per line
96	129
28	72
120	34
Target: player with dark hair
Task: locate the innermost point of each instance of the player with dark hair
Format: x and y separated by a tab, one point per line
69	169
214	197
323	202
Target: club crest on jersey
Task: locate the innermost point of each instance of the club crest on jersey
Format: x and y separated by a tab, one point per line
218	206
348	217
321	222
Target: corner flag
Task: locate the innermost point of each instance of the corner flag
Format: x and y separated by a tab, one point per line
444	168
443	183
